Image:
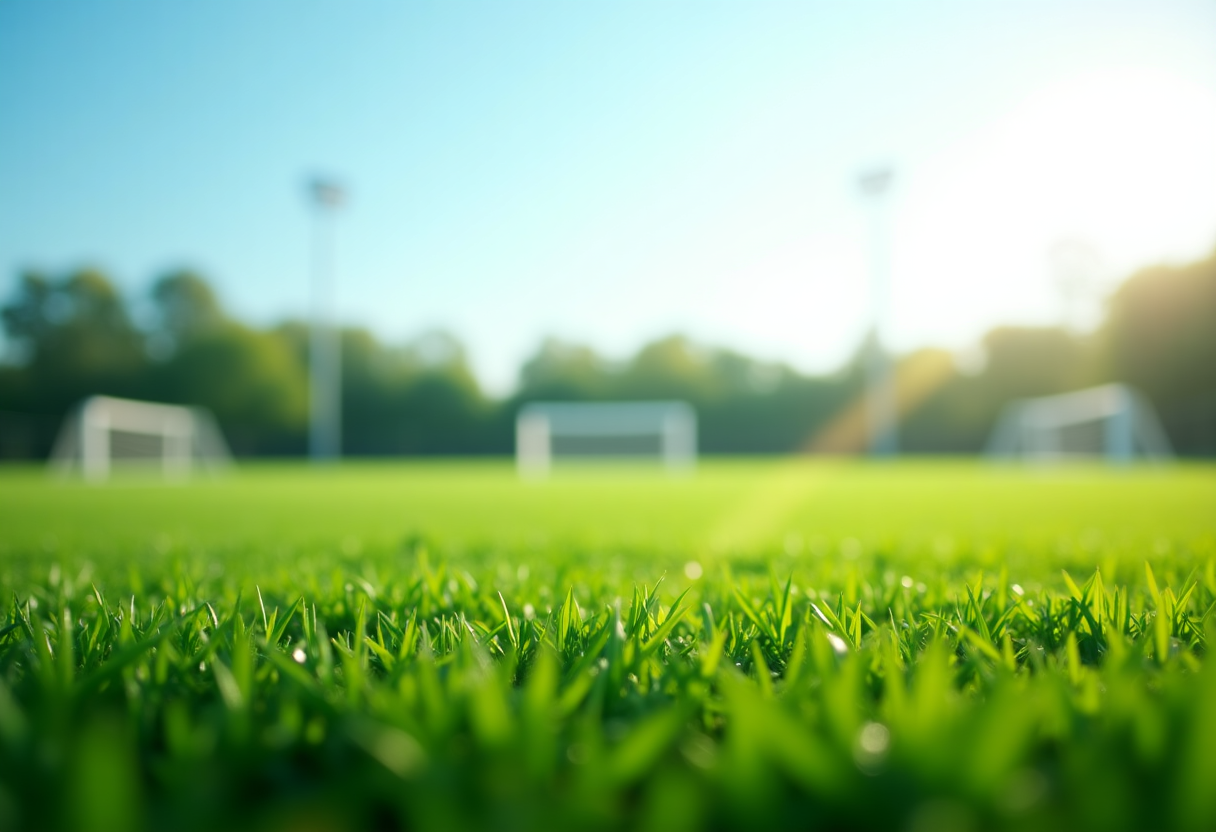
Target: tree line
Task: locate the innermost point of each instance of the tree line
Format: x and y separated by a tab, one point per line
73	335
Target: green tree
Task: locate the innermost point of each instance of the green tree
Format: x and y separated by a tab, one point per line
1160	335
74	338
670	368
418	399
252	380
185	307
562	370
1018	362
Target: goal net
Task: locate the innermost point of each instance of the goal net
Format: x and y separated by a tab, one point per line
104	433
1112	422
546	432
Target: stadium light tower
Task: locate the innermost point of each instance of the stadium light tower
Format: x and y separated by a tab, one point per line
880	399
325	346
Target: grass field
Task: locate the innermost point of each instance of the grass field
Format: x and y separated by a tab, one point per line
923	645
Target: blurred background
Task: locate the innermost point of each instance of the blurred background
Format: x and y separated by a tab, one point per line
606	202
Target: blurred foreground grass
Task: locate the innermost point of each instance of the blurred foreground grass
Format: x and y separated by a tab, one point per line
765	644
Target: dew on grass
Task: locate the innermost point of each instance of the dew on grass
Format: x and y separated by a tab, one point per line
839	647
871	747
874	738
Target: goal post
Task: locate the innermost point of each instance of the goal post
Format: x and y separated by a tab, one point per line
1112	421
104	432
546	432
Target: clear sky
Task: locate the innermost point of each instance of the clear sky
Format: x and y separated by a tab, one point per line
612	172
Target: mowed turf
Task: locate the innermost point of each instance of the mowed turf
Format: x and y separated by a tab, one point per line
726	507
781	644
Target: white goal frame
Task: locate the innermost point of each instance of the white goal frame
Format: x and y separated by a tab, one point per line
537	424
90	441
1033	429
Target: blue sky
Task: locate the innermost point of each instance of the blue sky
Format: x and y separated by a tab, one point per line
612	172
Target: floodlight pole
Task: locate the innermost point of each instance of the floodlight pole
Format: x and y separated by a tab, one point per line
325	345
880	399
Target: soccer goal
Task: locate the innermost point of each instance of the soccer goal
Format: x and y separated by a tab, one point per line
1112	422
103	433
546	432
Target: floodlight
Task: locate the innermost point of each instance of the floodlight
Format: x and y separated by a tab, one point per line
876	182
327	193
